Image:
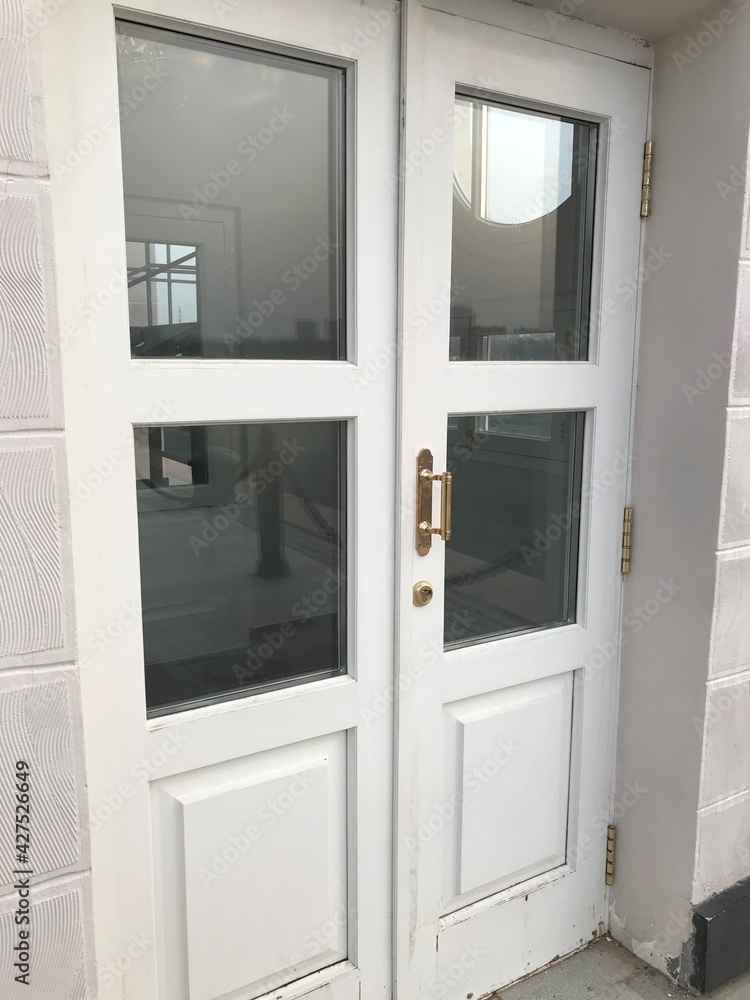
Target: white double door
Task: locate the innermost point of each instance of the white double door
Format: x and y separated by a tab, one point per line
330	752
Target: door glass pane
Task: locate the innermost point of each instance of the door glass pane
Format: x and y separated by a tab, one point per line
523	199
233	168
243	556
511	563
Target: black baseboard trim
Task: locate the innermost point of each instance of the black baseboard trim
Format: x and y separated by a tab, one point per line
721	938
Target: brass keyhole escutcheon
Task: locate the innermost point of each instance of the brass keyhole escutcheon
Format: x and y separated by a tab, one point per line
422	593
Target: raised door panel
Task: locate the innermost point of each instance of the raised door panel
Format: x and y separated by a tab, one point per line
250	860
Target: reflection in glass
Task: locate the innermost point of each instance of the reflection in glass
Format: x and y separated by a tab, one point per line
233	167
163	299
170	456
243	566
522	234
511	563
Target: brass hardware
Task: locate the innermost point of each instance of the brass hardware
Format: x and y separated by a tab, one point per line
425	478
611	842
648	155
423	593
627	539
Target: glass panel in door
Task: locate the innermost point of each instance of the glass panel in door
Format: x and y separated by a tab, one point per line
523	202
233	172
511	564
243	556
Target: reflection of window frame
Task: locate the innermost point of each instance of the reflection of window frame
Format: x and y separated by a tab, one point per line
215	234
475	200
153	272
155	497
517	336
157	452
486	426
465	429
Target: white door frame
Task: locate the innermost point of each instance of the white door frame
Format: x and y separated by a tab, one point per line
426	944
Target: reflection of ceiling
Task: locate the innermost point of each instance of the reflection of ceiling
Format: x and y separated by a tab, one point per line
646	18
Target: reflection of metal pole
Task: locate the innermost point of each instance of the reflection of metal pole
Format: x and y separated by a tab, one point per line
156	457
270	496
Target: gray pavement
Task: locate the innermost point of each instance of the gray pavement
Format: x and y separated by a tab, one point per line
607	971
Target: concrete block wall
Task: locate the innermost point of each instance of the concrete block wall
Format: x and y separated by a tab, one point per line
723	846
684	728
39	688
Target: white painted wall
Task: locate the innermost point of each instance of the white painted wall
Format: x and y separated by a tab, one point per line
39	699
683	839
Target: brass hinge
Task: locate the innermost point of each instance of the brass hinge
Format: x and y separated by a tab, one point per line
648	155
611	834
627	538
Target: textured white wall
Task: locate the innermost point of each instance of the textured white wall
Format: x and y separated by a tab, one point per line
723	850
685	704
39	691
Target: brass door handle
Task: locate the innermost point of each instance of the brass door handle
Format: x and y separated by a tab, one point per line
425	478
